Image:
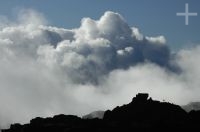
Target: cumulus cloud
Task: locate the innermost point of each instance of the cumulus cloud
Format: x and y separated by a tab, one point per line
46	70
158	40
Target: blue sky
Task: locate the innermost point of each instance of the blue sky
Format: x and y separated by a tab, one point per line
45	71
152	17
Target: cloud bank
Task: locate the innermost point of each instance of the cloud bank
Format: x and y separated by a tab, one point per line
47	70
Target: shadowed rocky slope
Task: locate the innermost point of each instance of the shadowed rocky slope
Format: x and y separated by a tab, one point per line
191	106
95	114
142	113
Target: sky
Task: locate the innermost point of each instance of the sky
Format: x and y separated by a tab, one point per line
76	57
152	17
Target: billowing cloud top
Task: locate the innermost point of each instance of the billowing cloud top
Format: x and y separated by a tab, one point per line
48	70
88	52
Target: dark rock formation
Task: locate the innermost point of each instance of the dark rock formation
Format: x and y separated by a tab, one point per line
145	112
142	113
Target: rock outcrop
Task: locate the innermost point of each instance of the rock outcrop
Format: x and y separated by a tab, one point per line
142	113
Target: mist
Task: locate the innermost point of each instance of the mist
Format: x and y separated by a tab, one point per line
46	70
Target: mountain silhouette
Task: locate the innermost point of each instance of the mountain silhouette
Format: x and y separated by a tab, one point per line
146	112
142	113
191	106
95	114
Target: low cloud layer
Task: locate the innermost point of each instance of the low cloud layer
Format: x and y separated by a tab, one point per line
47	70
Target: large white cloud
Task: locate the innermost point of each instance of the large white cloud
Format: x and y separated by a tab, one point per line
100	46
47	70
